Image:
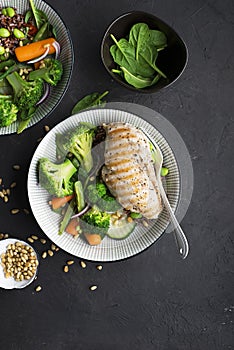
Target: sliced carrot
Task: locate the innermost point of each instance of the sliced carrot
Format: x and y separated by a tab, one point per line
58	202
72	227
93	238
34	50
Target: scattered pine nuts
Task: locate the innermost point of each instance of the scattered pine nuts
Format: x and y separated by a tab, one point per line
14	211
43	241
6	235
50	252
13	185
129	219
38	288
66	268
0	180
70	262
26	211
93	287
53	247
99	267
44	255
5	199
30	240
83	264
16	167
145	223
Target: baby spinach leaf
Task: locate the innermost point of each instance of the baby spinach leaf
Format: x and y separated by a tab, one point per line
158	39
92	100
137	81
150	54
123	53
138	36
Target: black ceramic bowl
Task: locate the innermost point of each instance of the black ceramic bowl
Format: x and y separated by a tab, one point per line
172	60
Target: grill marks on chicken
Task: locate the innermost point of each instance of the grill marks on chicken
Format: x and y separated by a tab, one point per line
129	172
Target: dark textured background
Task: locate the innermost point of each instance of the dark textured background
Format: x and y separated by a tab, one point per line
154	300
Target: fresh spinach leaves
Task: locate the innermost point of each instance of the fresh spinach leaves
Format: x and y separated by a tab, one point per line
136	57
93	100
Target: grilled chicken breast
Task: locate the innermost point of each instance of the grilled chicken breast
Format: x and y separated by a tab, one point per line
129	172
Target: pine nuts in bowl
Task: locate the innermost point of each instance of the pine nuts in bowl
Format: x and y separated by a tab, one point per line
18	264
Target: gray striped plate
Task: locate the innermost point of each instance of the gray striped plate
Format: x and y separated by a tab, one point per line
109	249
66	57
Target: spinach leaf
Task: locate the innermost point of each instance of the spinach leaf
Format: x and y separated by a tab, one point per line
139	35
92	100
158	39
124	54
39	16
137	81
150	54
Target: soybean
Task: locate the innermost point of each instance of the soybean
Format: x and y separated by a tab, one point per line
164	171
18	33
10	11
2	50
4	33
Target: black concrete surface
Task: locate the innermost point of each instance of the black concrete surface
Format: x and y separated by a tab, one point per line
155	300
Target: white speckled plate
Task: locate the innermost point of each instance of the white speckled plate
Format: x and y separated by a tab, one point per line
109	249
66	57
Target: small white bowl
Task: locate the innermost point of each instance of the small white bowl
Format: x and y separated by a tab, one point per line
11	283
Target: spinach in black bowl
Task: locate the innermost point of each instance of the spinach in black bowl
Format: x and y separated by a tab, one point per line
136	55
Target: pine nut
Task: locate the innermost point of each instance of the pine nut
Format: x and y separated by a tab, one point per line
30	240
66	268
43	241
14	211
50	252
70	262
44	255
83	264
34	237
99	267
38	288
16	167
93	287
47	128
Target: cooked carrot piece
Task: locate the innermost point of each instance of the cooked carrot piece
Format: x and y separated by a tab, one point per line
93	239
34	50
58	202
72	227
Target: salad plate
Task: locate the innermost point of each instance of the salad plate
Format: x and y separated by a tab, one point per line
66	57
110	249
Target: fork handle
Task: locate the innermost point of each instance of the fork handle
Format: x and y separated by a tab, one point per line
180	237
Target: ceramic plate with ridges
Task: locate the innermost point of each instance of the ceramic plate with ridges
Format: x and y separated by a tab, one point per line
109	249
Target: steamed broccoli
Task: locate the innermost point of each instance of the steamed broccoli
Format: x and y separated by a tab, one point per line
51	72
56	178
8	111
95	221
95	191
98	194
78	142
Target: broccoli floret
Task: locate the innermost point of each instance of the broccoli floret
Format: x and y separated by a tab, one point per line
51	72
95	221
25	93
56	178
8	111
99	194
95	191
109	204
78	142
